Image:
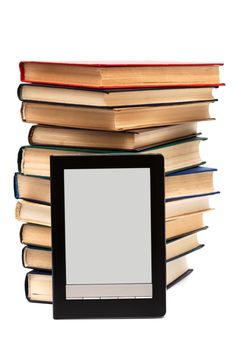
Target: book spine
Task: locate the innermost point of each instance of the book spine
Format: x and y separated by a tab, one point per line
21	70
19	92
20	158
180	278
26	286
30	134
22	112
16	186
23	257
21	233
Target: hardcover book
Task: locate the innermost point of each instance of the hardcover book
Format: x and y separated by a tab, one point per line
111	98
181	184
137	140
34	159
41	258
38	284
176	227
38	213
114	119
121	74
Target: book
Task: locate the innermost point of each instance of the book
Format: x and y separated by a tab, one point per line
36	235
124	140
180	184
114	118
180	154
182	246
189	205
111	98
184	225
41	258
38	284
176	271
33	212
39	235
37	213
120	74
40	214
37	258
189	182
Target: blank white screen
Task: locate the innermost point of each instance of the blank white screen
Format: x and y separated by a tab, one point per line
107	226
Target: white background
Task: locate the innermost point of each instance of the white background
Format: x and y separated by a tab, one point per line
199	310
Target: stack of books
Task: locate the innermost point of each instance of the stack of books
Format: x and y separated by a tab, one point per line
92	108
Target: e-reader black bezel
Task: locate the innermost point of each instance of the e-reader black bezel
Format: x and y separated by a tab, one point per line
108	308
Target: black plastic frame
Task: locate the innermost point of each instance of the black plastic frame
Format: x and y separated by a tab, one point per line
106	308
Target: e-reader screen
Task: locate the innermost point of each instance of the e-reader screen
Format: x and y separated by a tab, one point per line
107	216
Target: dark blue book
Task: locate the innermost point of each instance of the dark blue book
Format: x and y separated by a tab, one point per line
38	283
187	183
193	182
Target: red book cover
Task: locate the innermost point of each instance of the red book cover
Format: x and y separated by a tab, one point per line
120	64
